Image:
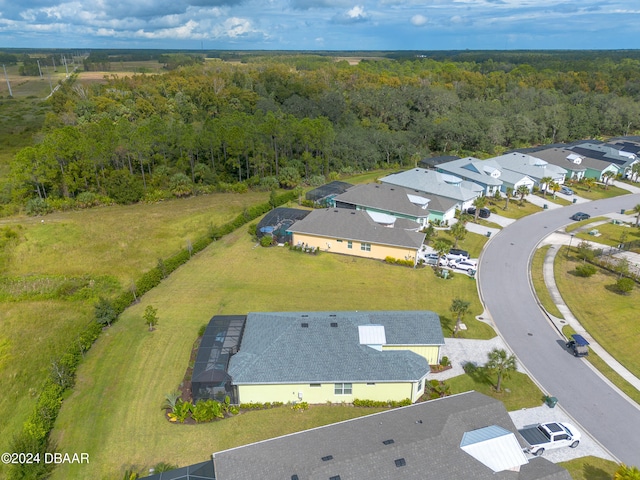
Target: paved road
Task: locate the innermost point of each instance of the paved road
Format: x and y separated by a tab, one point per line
503	280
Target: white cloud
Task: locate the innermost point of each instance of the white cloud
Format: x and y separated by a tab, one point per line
419	20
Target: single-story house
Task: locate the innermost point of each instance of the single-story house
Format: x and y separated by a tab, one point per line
611	157
534	168
486	174
444	185
357	233
398	202
468	435
578	166
336	357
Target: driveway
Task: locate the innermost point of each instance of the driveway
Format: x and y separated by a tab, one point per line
503	280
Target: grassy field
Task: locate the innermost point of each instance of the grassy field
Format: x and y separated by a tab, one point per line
126	375
515	210
611	234
611	318
590	468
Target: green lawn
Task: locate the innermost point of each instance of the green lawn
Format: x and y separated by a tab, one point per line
539	285
590	468
611	234
611	318
126	375
598	192
516	209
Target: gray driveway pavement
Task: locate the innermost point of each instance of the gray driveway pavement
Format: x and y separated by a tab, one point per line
504	285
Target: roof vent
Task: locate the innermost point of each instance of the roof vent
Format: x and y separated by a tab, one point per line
327	458
332	315
388	442
400	462
304	325
294	477
334	324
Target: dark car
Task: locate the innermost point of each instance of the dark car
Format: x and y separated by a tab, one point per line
483	213
578	345
580	216
456	252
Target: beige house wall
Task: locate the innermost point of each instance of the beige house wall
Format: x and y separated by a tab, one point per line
337	245
325	392
430	353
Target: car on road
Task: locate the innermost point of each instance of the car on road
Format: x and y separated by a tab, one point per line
548	436
580	216
578	345
566	191
483	213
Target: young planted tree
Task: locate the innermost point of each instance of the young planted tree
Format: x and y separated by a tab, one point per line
458	232
523	191
104	312
608	177
508	195
501	364
625	472
150	317
460	308
479	203
589	182
636	210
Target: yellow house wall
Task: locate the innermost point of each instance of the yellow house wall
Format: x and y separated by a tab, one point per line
431	353
379	252
326	393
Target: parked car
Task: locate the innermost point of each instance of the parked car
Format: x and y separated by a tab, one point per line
580	216
566	191
578	345
483	213
456	252
466	265
547	436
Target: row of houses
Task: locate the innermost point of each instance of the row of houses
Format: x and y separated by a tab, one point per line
384	219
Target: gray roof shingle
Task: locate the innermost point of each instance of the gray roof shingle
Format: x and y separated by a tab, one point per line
426	435
276	348
345	224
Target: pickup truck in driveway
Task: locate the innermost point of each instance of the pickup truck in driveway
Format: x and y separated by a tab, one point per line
547	436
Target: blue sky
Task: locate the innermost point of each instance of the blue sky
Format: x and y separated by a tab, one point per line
321	24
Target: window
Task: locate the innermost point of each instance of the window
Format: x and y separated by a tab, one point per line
314	385
420	386
365	246
371	384
338	240
349	244
343	389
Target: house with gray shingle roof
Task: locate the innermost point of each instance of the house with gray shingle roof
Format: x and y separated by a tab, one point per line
577	166
336	357
463	436
358	233
487	173
397	202
611	158
444	185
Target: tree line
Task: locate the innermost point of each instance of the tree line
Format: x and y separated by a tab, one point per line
283	120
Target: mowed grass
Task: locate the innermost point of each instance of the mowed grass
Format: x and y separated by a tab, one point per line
114	412
611	234
590	468
122	241
539	285
611	318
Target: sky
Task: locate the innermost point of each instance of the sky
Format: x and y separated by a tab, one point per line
321	24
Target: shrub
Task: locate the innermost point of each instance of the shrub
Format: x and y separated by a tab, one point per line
625	285
444	361
37	206
266	241
585	270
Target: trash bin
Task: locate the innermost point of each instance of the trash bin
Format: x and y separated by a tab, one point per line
575	200
488	234
622	211
545	206
551	401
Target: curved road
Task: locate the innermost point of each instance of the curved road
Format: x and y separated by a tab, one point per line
503	280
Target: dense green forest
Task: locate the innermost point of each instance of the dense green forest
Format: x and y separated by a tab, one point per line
279	120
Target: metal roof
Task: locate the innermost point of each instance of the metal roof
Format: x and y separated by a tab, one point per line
495	447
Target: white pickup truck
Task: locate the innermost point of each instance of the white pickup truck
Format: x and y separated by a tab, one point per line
547	436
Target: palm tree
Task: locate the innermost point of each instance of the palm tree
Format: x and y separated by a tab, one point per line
479	203
523	191
502	364
554	187
625	472
458	232
509	193
636	210
607	176
459	307
545	181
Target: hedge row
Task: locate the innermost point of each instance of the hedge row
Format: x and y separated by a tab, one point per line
35	435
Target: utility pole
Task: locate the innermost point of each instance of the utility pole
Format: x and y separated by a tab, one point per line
8	83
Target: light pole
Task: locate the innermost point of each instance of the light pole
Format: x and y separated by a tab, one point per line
570	239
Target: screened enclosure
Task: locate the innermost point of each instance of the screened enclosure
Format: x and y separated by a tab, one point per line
324	194
278	221
220	341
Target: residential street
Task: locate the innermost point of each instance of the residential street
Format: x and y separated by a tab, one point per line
503	280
